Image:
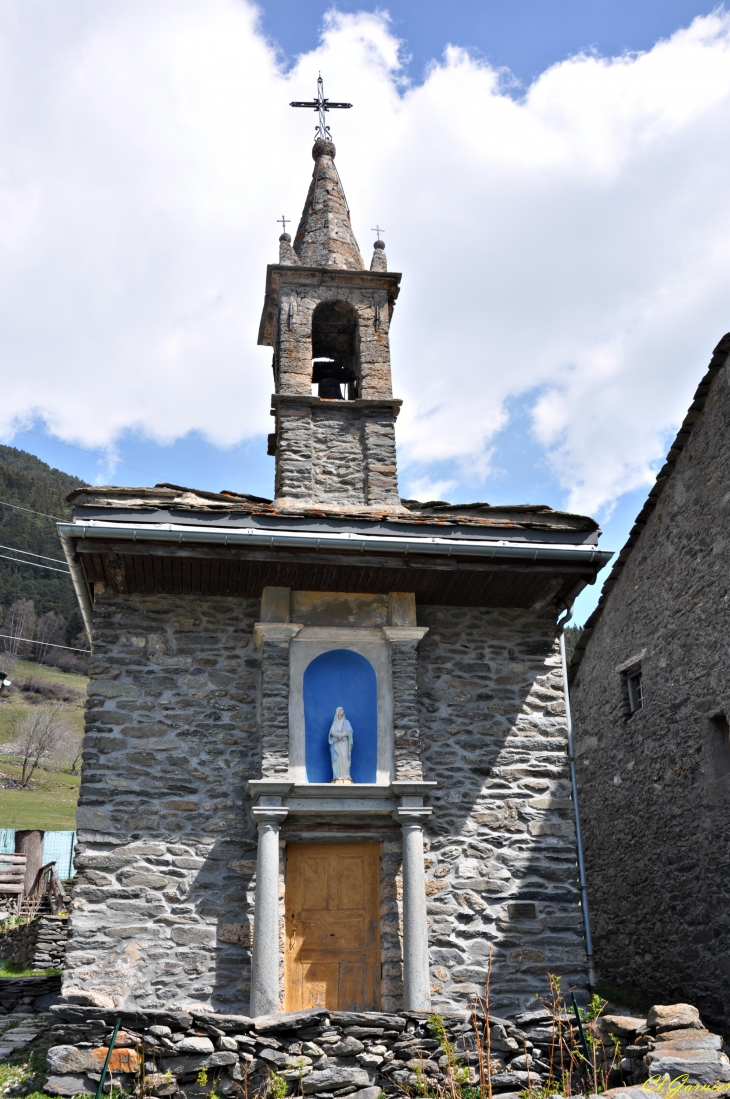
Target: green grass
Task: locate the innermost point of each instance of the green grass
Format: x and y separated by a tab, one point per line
51	804
26	1068
10	969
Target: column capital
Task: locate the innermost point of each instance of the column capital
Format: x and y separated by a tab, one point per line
407	814
268	787
269	814
399	634
275	631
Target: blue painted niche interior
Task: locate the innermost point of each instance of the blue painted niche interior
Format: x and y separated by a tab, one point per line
340	678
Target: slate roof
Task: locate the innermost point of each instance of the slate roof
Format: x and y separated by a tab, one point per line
432	513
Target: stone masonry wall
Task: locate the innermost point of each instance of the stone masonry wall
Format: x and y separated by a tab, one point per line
501	859
295	336
163	901
39	944
655	787
364	1055
159	911
336	452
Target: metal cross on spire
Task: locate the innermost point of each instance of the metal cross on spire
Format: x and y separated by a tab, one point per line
283	220
321	105
376	229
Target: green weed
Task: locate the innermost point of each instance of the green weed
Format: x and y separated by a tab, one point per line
12	969
277	1086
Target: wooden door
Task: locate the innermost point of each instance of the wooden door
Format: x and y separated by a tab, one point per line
332	953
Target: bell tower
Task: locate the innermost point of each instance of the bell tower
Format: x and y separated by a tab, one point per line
328	320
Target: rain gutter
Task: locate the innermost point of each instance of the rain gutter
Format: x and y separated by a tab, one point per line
181	535
582	879
78	578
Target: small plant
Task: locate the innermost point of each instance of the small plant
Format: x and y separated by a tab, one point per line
421	1085
12	969
277	1086
203	1077
437	1028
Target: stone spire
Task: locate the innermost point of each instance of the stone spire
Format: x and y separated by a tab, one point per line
325	237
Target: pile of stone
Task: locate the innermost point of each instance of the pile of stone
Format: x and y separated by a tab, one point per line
671	1040
319	1053
357	1055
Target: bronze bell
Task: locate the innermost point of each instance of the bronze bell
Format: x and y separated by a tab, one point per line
329	389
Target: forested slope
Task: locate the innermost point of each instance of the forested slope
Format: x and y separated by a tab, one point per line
29	483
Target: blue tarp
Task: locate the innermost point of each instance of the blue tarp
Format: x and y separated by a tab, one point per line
58	847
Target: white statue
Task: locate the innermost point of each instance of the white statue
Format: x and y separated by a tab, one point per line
341	746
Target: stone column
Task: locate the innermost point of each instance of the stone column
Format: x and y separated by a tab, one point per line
265	954
416	980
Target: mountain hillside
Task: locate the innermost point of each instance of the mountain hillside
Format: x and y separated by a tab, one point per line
29	483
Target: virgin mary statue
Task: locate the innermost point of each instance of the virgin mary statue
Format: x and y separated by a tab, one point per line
340	746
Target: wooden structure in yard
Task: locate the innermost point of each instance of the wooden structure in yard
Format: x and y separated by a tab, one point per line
12	877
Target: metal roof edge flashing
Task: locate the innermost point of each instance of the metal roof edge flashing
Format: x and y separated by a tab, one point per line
356	543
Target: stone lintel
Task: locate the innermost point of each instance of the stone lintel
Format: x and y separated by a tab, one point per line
401	800
331	807
304	400
335	609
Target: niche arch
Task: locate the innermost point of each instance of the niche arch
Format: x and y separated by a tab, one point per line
336	350
340	677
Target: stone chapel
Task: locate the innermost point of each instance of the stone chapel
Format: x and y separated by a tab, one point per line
326	749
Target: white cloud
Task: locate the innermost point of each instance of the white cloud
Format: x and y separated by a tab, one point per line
574	243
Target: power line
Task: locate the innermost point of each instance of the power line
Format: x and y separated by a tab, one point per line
15	549
45	514
35	564
48	644
104	457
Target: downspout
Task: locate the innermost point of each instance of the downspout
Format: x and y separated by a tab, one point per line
562	623
78	579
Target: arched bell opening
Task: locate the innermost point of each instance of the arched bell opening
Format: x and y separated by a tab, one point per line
335	351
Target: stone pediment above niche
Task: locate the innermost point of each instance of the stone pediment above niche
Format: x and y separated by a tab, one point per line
347	610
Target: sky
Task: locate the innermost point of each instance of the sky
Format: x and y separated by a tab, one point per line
553	178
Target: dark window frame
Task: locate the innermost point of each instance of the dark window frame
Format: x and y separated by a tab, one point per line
632	684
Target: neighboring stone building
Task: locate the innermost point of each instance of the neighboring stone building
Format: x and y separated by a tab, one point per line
650	702
219	863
